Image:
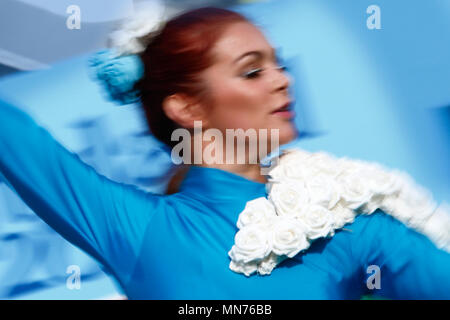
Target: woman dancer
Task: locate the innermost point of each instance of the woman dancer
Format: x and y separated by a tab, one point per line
213	65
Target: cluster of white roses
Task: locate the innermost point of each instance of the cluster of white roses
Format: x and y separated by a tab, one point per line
310	195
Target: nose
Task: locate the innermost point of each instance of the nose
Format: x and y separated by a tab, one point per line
280	80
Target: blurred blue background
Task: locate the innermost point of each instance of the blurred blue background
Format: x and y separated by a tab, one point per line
375	94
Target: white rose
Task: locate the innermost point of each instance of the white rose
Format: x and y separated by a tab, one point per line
385	182
347	165
251	243
412	192
375	202
266	265
437	227
255	212
298	164
353	187
245	268
396	207
268	223
317	220
379	179
290	166
342	216
294	155
323	190
414	203
289	198
323	163
288	237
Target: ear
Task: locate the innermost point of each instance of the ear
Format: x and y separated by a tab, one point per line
184	110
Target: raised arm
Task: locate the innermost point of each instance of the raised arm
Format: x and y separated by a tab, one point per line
104	218
410	265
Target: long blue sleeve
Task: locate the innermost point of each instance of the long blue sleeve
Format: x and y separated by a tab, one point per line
410	265
104	218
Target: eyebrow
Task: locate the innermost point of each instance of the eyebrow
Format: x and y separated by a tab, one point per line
258	54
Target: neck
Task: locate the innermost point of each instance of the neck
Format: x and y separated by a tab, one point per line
245	163
249	171
242	163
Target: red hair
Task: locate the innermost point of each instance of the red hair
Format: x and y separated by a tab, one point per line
173	60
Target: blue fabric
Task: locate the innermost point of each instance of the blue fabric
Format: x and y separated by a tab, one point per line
176	246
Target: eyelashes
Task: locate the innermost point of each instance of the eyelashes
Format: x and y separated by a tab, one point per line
255	73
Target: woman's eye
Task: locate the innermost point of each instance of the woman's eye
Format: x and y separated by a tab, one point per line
282	67
253	73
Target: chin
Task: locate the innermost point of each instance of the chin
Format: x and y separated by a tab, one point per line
287	134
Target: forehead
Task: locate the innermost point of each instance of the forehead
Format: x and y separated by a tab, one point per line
240	38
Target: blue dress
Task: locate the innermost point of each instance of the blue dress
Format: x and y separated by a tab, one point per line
176	246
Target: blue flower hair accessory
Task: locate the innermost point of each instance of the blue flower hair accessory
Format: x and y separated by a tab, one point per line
118	74
119	68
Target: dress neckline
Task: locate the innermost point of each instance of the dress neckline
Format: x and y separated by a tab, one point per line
214	183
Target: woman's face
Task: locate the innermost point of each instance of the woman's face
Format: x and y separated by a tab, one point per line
247	85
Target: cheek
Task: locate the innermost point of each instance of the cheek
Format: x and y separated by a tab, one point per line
240	106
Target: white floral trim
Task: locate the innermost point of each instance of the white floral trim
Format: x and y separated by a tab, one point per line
147	17
310	195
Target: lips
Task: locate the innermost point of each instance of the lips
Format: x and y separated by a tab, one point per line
283	108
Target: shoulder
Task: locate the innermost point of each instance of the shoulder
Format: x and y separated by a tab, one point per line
379	237
370	234
376	222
